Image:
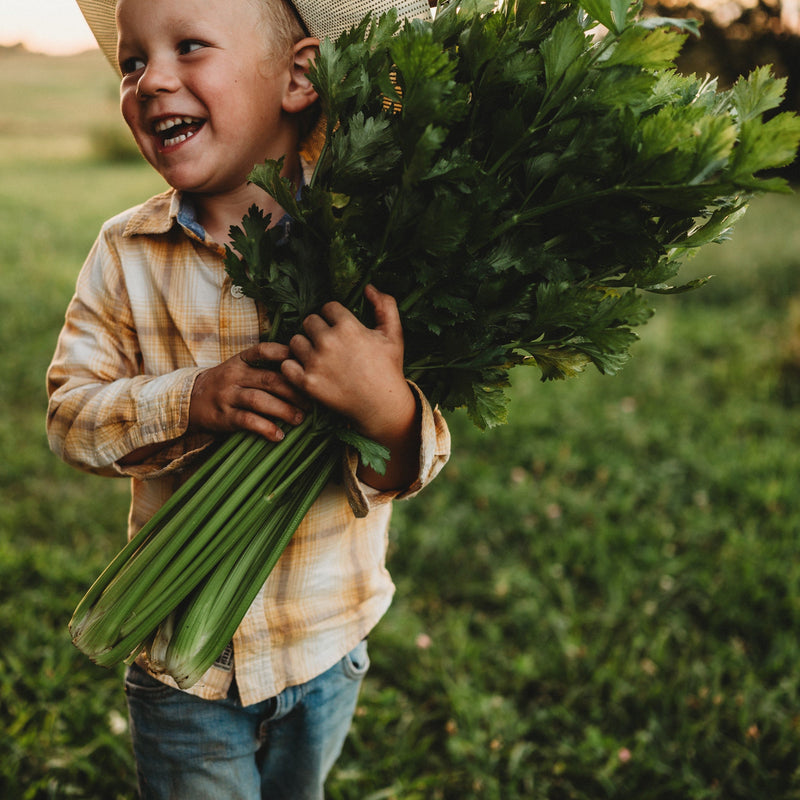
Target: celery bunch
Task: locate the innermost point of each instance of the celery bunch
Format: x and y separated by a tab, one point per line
518	184
182	584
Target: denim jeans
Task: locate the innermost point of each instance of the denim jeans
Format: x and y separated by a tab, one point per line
282	748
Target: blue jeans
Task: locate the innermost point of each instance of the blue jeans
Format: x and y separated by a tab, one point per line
282	748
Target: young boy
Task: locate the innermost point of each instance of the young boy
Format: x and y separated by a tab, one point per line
154	363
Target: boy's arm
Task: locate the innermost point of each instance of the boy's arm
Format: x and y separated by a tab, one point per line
242	393
100	426
402	439
106	416
433	454
358	372
101	407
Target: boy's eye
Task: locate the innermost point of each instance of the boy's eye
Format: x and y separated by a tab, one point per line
132	64
189	46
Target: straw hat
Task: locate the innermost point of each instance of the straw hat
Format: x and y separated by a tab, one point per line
322	18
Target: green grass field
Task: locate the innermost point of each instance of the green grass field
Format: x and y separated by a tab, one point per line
599	600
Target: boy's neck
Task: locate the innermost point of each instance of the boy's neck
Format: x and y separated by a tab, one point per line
218	212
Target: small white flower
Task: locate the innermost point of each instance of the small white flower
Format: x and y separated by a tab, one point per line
117	724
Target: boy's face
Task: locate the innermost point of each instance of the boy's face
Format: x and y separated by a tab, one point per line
197	93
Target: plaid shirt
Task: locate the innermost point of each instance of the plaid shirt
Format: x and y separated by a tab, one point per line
152	308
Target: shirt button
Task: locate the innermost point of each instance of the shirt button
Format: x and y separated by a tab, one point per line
237	292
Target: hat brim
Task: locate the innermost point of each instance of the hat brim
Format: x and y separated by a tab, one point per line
100	15
329	18
322	19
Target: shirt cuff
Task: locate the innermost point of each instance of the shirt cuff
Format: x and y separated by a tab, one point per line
163	405
433	455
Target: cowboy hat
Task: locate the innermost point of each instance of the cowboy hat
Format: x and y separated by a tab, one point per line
322	18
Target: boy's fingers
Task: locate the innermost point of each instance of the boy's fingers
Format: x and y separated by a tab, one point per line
331	315
274	351
270	405
333	311
293	371
250	421
270	383
262	376
300	348
264	353
387	316
313	325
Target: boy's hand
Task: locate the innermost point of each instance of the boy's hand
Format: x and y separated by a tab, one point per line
358	372
243	393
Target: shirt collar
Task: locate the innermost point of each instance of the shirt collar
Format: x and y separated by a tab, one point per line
156	215
159	214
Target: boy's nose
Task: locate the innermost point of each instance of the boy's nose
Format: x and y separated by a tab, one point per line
156	78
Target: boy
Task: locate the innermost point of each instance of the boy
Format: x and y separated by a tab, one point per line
154	362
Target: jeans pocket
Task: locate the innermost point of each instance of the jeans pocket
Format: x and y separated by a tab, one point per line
356	663
138	682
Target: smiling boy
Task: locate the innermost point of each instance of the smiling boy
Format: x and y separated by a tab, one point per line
206	99
154	364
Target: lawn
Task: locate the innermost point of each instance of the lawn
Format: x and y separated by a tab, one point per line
599	600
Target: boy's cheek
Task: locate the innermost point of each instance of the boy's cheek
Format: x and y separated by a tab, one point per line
130	107
127	105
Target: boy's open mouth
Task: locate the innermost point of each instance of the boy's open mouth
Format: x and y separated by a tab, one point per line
174	130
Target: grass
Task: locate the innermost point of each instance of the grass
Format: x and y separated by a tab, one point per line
599	600
51	107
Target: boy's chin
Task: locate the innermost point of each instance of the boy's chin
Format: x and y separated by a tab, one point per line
205	188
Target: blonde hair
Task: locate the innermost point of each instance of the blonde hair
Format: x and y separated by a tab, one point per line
282	28
280	25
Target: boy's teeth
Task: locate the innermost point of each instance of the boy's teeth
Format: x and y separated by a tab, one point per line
181	137
171	122
174	130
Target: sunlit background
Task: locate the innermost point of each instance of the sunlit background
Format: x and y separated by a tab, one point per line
57	27
44	26
600	599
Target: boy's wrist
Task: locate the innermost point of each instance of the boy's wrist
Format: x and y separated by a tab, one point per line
400	432
396	419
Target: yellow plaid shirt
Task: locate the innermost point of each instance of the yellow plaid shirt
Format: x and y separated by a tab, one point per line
152	308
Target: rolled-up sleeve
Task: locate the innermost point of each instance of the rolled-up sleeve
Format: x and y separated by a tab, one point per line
433	455
102	405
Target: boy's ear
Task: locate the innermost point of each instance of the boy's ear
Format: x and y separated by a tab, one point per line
300	92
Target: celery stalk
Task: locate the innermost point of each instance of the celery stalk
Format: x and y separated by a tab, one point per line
237	503
213	615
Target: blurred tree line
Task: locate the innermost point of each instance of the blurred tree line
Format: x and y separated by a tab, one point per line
736	36
739	35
